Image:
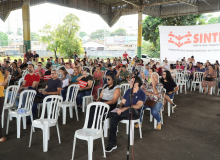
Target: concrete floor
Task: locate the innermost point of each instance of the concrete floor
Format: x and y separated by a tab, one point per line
191	133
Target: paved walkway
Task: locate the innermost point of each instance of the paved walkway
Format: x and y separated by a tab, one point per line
191	133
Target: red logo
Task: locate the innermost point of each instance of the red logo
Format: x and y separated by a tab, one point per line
179	38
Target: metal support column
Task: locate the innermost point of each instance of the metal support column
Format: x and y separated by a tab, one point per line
26	24
139	44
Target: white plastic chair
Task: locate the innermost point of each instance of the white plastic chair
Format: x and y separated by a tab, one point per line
28	106
70	102
87	99
197	79
181	81
20	81
95	132
9	103
50	121
25	72
124	87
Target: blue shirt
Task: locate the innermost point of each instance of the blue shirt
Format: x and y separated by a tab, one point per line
146	72
138	96
200	70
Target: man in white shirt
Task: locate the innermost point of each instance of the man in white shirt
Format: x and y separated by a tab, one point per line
166	66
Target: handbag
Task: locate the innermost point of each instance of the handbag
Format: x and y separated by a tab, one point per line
208	79
149	103
97	83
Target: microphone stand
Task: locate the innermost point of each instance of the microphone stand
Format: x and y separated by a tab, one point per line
131	96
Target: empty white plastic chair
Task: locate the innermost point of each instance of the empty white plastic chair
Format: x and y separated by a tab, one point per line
70	102
182	80
197	79
52	120
9	103
28	107
95	132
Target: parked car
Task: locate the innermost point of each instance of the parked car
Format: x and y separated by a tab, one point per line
146	58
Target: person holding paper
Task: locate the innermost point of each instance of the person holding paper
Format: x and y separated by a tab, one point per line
64	74
85	83
53	87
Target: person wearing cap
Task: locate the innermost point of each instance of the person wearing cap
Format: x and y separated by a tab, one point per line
68	68
119	65
87	90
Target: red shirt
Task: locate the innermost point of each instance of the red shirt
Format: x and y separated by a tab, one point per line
42	71
125	55
31	78
141	64
118	66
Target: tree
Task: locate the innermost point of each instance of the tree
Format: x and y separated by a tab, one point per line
151	30
68	32
82	34
119	32
50	37
63	38
99	34
213	20
19	32
3	39
35	36
150	50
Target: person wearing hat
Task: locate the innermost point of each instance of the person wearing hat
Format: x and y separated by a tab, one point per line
85	82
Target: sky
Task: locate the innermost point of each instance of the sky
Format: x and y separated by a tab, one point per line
54	14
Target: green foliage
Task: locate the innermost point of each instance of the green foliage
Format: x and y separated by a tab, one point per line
35	36
19	32
119	32
63	38
3	39
82	34
149	49
99	34
213	20
151	29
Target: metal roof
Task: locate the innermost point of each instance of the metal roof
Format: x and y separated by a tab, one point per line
112	10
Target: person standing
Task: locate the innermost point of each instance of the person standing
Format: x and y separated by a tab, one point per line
3	82
125	55
75	56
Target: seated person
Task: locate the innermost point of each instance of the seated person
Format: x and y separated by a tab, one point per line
44	63
172	69
68	68
56	63
72	80
123	111
51	60
110	70
146	71
46	77
85	90
24	65
119	65
97	76
200	68
123	73
31	81
109	95
154	92
101	65
7	67
40	71
64	74
209	79
53	87
170	87
141	62
16	73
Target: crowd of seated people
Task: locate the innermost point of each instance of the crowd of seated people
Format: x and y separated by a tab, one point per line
47	75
